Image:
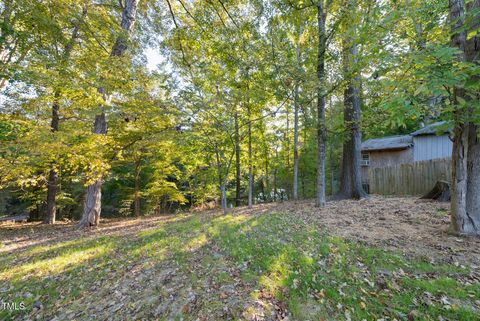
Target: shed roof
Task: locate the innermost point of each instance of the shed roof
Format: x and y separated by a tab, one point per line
389	142
432	129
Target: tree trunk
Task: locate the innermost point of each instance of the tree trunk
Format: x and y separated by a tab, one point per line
223	200
137	201
460	140
51	195
92	205
267	183
137	205
287	136
54	125
275	185
223	180
238	191
465	217
250	162
473	159
351	179
459	221
52	176
295	130
275	177
332	173
93	199
129	15
473	179
321	132
305	163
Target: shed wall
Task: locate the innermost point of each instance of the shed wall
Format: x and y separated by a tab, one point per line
431	147
385	158
390	157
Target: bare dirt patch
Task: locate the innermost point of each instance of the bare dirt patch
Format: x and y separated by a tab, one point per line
406	224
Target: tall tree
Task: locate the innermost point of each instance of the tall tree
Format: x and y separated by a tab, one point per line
250	159
296	107
238	185
465	204
473	159
322	9
351	178
93	193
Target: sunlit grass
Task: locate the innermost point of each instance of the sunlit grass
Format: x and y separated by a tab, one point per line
58	264
196	243
317	275
312	270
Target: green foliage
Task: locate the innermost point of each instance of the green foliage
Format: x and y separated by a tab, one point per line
171	132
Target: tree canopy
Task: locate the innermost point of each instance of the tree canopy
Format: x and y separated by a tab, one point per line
250	101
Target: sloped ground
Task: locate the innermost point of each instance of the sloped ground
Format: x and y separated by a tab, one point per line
382	258
409	225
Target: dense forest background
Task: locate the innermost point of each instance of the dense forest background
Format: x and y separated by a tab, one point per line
247	97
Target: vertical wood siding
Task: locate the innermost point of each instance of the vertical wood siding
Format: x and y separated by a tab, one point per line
431	147
415	178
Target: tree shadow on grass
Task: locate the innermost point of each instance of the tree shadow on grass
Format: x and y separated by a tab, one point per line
65	272
19	238
214	267
319	276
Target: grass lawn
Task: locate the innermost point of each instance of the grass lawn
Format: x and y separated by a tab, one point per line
208	266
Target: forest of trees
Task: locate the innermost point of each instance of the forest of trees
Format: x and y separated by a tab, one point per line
252	101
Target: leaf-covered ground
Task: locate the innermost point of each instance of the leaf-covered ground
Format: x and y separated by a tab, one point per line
383	258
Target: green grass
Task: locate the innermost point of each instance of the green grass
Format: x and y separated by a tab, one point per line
317	275
327	277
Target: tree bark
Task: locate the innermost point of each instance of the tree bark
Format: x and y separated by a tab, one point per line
267	183
332	173
51	196
473	159
93	199
92	205
351	179
321	132
473	179
460	139
223	191
465	216
223	179
52	182
275	176
219	174
129	15
295	129
137	200
250	161
459	220
287	136
238	191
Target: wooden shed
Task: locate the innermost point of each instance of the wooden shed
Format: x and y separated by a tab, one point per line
385	151
428	143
